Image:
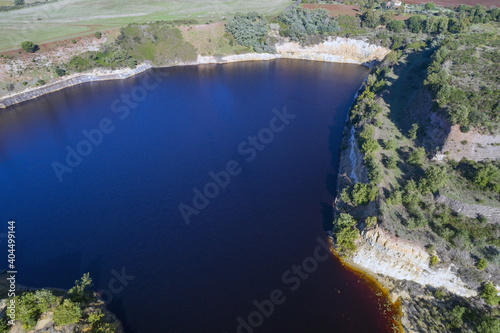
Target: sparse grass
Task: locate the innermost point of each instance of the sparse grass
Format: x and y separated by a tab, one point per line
212	40
70	18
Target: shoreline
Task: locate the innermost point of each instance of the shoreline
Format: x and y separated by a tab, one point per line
373	282
335	50
99	75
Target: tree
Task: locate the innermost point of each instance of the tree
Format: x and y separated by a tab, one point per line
98	34
60	72
18	2
430	6
488	325
482	264
29	46
391	162
455	317
370	19
27	310
415	24
435	178
371	221
443	25
346	232
67	313
343	221
489	294
364	193
417	156
249	30
346	238
431	24
387	17
82	292
412	133
395	26
46	299
459	114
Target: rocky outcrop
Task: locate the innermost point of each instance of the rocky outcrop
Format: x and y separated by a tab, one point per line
342	50
471	210
382	253
72	80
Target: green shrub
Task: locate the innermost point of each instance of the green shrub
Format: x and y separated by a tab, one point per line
390	144
482	264
488	325
250	30
98	34
439	294
46	299
67	313
436	177
434	260
60	71
391	162
416	157
4	328
489	294
302	23
40	82
395	198
29	46
27	310
371	221
82	292
455	317
412	133
346	232
364	193
9	86
395	26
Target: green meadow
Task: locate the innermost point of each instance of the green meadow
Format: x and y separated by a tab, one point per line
72	18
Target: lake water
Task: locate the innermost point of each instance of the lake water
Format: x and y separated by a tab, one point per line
194	196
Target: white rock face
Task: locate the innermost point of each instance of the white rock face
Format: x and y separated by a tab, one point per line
342	50
382	253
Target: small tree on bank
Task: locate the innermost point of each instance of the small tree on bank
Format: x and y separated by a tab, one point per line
29	47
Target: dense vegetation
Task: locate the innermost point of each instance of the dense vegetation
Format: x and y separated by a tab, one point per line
78	306
158	42
301	23
403	184
251	30
464	78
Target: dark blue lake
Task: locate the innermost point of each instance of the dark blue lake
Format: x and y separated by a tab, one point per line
103	177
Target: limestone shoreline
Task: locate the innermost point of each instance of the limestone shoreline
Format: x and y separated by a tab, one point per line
338	50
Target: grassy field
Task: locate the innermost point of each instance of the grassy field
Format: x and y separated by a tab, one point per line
70	18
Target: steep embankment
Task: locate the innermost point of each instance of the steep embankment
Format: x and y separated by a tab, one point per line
382	254
340	50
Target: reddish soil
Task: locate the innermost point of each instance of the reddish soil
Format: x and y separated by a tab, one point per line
455	3
336	10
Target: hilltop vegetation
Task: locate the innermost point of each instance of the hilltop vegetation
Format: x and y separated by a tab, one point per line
78	310
464	77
